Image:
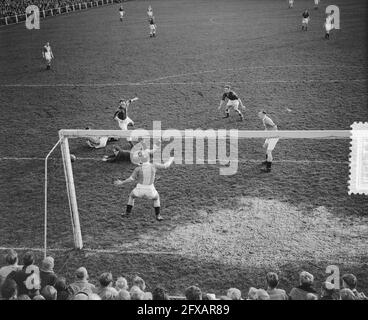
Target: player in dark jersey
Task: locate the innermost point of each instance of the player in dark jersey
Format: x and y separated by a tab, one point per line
305	20
233	101
152	25
121	115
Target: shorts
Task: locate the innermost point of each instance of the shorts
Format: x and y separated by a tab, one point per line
271	143
233	103
328	27
152	27
145	191
305	20
48	56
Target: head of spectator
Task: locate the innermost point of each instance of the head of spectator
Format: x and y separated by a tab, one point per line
9	289
311	296
105	279
139	282
193	293
121	284
81	295
234	294
28	259
24	297
62	289
252	294
94	296
49	293
11	257
47	264
209	296
81	273
272	280
349	281
306	279
262	295
136	293
159	293
347	294
38	297
123	295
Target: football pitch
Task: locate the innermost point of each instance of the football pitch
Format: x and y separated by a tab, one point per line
219	231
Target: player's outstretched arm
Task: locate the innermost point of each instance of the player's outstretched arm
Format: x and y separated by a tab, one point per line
166	165
119	182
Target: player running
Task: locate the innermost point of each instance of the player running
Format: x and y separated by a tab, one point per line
328	25
305	20
233	101
270	143
152	25
145	176
121	115
122	13
291	4
47	55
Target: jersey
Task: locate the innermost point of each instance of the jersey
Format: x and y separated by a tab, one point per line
231	95
121	9
145	174
151	20
269	124
305	15
121	113
329	20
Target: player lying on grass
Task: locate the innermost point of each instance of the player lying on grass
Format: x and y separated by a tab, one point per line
121	12
144	175
233	101
47	55
121	115
120	154
305	20
270	143
98	142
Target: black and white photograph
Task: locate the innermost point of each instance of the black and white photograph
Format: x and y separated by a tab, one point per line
183	150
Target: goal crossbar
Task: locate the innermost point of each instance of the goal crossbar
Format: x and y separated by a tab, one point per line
66	134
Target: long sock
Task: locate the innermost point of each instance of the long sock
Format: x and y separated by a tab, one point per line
269	164
157	211
129	208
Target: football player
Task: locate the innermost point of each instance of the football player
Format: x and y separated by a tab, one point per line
270	143
152	25
149	12
233	101
122	13
121	115
291	3
47	55
328	25
305	20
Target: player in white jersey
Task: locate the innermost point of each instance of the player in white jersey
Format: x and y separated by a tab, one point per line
152	25
121	13
233	101
316	2
149	12
291	3
145	176
47	55
328	25
98	142
121	115
269	143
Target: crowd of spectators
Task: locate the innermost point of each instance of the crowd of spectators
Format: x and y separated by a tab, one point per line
30	282
17	7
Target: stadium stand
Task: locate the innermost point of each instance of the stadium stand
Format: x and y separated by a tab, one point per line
13	275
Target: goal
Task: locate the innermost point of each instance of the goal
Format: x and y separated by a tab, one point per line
165	135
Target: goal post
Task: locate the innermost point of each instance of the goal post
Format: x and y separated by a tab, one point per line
66	134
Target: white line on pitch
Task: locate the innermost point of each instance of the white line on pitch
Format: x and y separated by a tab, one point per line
190	83
198	160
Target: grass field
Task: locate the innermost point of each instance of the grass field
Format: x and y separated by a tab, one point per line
219	231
